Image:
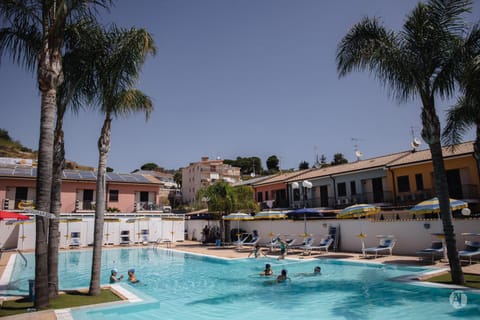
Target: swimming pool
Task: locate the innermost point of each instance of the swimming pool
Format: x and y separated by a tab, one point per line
175	285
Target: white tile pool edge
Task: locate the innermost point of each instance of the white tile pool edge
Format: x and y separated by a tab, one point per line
66	314
7	273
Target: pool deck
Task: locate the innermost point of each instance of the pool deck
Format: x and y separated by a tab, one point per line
232	252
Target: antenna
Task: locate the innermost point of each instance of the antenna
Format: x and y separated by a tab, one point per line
317	159
415	141
358	153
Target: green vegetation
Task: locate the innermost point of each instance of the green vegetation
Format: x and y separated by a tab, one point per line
68	300
13	149
471	280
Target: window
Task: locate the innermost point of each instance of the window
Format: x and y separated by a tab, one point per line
113	195
353	188
342	189
403	184
260	196
419	181
143	196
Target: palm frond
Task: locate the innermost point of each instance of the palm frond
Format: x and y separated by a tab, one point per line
132	101
460	117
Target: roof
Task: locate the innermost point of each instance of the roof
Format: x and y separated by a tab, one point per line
368	164
282	177
29	172
251	181
391	160
462	149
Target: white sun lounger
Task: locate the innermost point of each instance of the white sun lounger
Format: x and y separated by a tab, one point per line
385	245
472	249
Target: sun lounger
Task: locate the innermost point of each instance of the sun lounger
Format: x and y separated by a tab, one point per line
252	242
385	245
436	251
324	244
472	249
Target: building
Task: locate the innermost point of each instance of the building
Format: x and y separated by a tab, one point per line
201	174
125	192
397	180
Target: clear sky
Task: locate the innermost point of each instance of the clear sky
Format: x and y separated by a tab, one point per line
237	78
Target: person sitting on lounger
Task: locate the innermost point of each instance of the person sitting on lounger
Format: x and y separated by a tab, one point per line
268	270
113	276
132	278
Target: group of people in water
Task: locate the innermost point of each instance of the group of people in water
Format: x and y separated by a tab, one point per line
283	275
132	278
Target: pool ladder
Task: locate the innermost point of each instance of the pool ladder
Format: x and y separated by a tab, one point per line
23	257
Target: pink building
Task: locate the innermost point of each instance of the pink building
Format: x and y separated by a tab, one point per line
125	192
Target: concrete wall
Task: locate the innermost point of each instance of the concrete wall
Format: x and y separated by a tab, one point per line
411	235
158	227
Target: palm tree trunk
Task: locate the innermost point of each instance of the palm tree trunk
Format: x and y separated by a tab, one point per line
55	207
476	150
103	149
431	134
441	187
43	196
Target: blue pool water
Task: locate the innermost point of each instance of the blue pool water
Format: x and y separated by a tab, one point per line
175	286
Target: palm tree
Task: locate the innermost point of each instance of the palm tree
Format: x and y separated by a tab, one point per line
466	112
121	55
420	61
33	33
73	92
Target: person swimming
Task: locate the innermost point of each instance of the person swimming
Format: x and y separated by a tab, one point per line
131	276
113	276
268	270
283	276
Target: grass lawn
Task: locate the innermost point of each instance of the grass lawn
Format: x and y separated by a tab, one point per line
471	280
68	300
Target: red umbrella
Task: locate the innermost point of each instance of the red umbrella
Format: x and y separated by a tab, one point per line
12	215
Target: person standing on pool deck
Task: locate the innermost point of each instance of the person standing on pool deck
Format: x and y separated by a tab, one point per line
113	276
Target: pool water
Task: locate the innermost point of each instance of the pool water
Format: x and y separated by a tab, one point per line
175	285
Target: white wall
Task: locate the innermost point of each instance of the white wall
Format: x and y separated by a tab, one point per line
158	227
411	235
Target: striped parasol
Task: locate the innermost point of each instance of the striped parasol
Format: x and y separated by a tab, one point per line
358	211
433	206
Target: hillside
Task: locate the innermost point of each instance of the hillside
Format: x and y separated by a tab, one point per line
10	148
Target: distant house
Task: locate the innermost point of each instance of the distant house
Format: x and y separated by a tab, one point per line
201	174
125	192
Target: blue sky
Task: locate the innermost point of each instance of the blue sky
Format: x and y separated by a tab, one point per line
237	78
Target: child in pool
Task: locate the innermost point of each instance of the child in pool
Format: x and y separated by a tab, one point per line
132	278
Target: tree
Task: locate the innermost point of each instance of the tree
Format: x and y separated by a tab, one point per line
121	54
303	165
466	112
149	166
338	158
245	199
32	33
247	165
72	93
272	164
177	177
420	61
